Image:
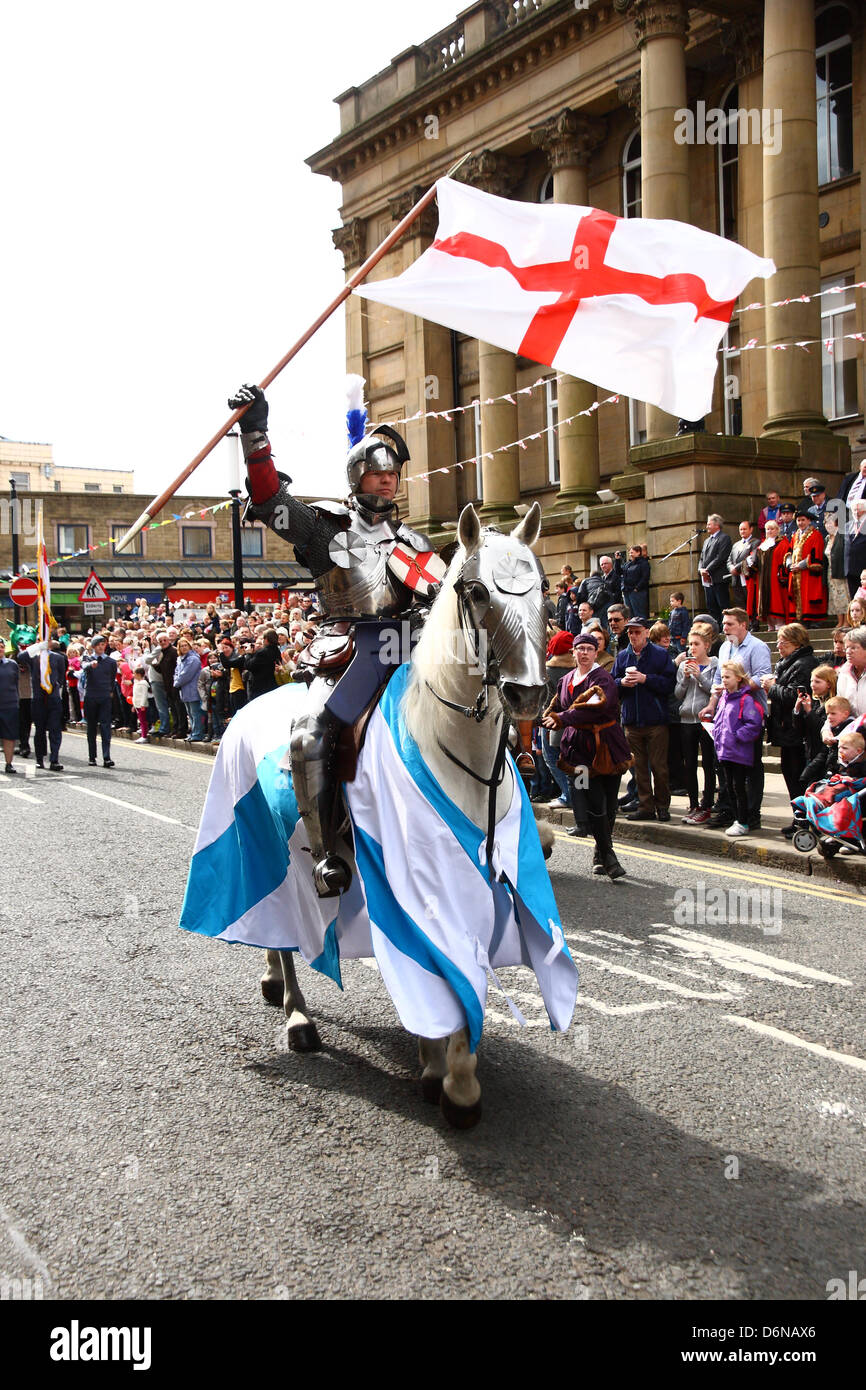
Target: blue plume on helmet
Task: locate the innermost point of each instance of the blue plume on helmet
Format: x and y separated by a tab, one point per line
356	415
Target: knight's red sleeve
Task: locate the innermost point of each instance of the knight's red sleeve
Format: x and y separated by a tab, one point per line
261	472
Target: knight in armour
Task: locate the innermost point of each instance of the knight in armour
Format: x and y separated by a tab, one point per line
373	575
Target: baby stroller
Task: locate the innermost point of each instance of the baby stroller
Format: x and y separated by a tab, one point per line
830	815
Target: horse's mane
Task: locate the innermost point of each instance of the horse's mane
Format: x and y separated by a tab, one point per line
440	634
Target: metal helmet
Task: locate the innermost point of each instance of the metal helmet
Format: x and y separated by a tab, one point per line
375	454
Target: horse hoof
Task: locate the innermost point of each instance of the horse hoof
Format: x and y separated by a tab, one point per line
431	1089
304	1037
459	1116
272	992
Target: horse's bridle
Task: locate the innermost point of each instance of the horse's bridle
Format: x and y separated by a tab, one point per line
473	605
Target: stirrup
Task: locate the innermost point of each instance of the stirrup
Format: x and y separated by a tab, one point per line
331	876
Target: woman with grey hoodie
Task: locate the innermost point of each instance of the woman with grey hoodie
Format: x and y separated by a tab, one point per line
694	683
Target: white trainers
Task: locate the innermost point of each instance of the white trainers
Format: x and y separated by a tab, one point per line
737	829
141	740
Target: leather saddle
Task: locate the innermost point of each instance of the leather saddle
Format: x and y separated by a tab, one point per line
328	651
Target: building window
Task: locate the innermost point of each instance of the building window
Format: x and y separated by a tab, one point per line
545	193
135	547
631	206
834	93
57	486
728	159
21	480
636	422
631	201
118	487
732	400
838	355
71	538
551	415
479	477
93	487
252	541
196	542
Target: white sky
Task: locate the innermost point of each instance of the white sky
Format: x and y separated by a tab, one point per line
161	238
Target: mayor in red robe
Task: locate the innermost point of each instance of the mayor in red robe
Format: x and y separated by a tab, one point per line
807	596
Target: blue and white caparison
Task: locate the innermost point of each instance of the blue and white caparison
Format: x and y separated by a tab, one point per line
451	882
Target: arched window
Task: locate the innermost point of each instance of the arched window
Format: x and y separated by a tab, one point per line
631	176
545	192
833	63
728	160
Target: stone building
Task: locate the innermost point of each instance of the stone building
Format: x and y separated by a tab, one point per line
189	560
704	113
31	467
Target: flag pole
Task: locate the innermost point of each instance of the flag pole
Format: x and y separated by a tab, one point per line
159	502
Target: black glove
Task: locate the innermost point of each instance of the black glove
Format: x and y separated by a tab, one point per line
256	417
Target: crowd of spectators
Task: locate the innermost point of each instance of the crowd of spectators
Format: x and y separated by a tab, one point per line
157	674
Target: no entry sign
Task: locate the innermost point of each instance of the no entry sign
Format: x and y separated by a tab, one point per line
23	591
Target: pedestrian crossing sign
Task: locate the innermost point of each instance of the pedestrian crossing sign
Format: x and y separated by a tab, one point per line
94	590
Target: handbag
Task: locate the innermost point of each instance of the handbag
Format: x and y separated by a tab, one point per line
603	763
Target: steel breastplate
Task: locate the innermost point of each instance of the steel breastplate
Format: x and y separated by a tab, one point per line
359	583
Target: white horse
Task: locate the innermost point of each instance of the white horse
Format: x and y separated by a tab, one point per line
478	663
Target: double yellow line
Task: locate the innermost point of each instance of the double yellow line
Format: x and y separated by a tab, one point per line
780	879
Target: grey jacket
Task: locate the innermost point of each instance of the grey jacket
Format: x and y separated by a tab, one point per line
694	694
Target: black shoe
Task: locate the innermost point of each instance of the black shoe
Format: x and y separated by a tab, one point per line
92	762
625	802
578	832
630	806
55	767
663	813
755	824
679	791
719	822
39	763
642	815
11	771
24	752
612	866
106	762
788	831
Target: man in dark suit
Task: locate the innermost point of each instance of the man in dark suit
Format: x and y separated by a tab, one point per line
853	490
47	702
713	568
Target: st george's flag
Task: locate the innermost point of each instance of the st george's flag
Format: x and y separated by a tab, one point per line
637	306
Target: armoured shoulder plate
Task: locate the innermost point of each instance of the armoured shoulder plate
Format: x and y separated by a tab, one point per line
333	508
416	539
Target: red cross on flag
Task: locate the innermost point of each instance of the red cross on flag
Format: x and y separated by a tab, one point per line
420	570
638	306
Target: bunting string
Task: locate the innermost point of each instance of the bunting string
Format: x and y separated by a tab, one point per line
154	525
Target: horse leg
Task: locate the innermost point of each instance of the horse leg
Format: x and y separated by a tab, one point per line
303	1033
273	989
431	1053
461	1093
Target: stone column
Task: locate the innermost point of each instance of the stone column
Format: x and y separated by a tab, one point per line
569	140
660	28
497	371
351	240
791	236
429	387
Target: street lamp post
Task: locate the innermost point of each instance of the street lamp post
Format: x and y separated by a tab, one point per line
235	494
13	491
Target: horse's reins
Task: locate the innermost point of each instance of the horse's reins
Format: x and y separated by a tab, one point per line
478	712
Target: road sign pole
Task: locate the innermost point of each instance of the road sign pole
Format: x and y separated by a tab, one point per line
15	524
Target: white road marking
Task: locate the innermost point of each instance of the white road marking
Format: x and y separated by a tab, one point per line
654	980
793	1041
29	769
24	1248
497	1017
623	1010
22	796
742	958
130	806
591	939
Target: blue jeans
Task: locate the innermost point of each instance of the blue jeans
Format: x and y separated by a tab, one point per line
196	722
550	757
161	701
637	601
